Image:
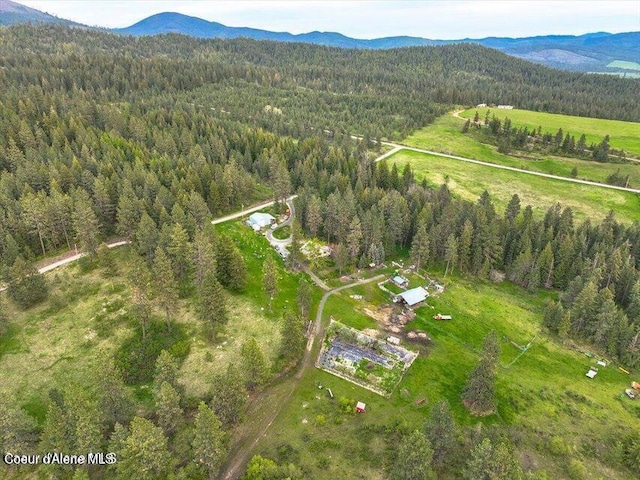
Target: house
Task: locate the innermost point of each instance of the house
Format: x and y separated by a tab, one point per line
481	105
400	281
414	296
260	220
360	407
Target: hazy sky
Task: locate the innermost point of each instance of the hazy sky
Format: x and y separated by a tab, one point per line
371	19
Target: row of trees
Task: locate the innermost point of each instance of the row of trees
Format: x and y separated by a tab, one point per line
507	137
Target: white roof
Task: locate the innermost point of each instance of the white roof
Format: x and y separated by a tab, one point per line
360	406
415	295
261	219
592	373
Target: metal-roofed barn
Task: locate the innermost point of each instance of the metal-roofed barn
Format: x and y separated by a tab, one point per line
414	296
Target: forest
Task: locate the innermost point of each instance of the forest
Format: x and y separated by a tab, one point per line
147	139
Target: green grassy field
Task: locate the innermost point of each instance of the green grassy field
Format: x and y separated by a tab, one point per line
469	181
546	383
56	342
445	136
624	135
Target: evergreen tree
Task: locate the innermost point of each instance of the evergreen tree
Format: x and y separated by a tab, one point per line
414	459
212	309
354	238
85	223
303	297
166	370
231	270
451	253
420	249
254	364
270	279
25	285
553	315
209	441
341	257
479	392
170	415
147	237
178	251
165	285
441	430
140	281
18	430
292	342
145	454
116	403
229	396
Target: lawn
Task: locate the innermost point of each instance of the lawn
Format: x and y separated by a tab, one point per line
469	181
546	383
623	135
445	136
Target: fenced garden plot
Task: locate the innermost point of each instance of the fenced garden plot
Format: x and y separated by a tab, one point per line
366	361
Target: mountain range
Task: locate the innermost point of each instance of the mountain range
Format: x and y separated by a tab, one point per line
592	52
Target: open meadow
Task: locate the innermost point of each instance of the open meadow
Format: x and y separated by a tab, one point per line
445	136
555	412
623	135
469	181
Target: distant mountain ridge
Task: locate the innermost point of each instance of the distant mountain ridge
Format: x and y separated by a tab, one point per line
592	52
12	13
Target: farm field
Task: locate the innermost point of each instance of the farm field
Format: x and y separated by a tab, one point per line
546	382
623	135
469	181
624	64
445	136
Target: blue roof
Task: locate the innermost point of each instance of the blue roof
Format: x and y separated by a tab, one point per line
399	279
415	295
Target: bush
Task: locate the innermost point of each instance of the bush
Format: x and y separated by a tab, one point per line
136	358
577	471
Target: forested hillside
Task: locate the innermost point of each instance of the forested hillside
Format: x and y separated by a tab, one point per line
102	135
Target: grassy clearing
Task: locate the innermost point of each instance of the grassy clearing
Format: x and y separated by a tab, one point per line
445	136
55	343
469	181
547	382
623	135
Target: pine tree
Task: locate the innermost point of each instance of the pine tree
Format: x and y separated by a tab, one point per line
354	238
145	453
210	442
204	257
231	270
292	342
212	309
441	430
18	430
116	403
303	297
420	249
147	237
165	284
140	281
229	396
25	285
178	251
170	415
414	459
85	223
479	392
270	279
341	257
314	215
553	315
253	363
466	239
166	370
451	253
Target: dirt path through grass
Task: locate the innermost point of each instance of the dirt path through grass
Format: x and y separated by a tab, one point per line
268	404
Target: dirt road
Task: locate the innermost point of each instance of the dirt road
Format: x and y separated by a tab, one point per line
277	396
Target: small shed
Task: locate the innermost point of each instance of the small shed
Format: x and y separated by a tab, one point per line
602	363
361	407
400	281
592	372
442	317
260	220
414	296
